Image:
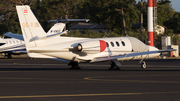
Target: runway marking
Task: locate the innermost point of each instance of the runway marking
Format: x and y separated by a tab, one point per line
88	78
98	79
81	95
103	78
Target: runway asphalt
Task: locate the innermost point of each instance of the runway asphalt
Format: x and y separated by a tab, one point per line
24	79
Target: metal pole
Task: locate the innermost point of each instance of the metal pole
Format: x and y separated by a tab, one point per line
142	39
150	23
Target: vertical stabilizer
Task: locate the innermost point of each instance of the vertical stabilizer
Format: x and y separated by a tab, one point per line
56	28
31	28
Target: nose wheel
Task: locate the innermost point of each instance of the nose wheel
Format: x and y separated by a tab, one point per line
143	64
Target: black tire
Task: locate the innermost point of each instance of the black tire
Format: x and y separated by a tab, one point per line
143	64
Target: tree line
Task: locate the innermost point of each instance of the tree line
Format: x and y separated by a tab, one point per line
106	12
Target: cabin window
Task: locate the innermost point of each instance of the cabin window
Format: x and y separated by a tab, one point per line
13	41
6	42
17	41
10	42
112	44
123	43
117	43
107	44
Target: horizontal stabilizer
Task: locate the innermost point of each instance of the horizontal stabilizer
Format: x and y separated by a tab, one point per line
49	36
130	55
20	52
37	55
16	36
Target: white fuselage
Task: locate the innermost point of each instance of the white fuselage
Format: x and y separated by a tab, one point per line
12	45
65	48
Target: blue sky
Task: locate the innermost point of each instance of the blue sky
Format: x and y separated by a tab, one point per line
175	4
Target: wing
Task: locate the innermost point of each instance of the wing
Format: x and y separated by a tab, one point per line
49	36
68	20
129	55
16	36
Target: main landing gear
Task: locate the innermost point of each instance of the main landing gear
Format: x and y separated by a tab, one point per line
115	65
74	65
9	56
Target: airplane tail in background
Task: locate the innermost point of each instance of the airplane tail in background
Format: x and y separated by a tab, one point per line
31	28
56	28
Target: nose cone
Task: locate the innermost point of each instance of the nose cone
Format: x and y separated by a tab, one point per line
151	48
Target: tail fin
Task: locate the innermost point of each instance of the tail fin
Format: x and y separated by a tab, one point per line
56	28
31	28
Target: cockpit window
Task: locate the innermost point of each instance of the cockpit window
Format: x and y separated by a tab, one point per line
112	44
117	43
123	43
107	44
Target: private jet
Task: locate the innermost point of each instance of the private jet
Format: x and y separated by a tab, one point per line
75	50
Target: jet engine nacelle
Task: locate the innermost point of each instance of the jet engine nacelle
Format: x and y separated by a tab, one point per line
92	46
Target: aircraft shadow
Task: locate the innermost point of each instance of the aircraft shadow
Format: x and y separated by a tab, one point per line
84	69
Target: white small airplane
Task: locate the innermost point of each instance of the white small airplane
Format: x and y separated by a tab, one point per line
15	45
76	50
12	46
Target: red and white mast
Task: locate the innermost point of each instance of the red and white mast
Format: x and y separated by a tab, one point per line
150	23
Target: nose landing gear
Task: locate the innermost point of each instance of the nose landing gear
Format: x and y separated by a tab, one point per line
143	64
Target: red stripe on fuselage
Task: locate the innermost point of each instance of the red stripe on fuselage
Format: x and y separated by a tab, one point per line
102	45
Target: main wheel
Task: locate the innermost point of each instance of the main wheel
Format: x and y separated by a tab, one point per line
143	64
9	56
74	65
114	67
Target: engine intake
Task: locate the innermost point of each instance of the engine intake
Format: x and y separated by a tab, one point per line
92	46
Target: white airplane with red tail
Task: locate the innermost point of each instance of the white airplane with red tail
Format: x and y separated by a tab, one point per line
76	50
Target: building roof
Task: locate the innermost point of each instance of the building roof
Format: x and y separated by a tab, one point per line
136	25
82	25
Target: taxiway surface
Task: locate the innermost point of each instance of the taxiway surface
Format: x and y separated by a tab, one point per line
23	79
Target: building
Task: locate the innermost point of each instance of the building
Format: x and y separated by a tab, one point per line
82	27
